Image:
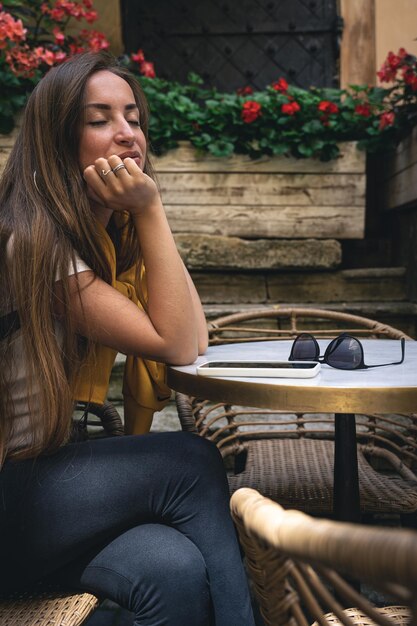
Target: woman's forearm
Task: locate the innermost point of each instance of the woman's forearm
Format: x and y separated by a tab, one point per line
202	333
172	300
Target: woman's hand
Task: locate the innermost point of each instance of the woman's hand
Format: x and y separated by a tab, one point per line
120	185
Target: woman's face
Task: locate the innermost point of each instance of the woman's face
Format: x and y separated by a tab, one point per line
111	123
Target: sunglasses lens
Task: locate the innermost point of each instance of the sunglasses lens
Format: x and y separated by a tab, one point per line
345	353
304	348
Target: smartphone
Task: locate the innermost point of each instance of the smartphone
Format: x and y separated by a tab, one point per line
261	369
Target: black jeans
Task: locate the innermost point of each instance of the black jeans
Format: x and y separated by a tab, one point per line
141	520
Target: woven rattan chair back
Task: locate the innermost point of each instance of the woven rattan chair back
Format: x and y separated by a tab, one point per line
47	609
286	323
289	457
298	566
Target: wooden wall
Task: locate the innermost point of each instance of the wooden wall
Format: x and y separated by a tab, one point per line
397	203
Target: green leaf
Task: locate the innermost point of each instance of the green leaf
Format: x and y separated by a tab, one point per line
220	148
315	126
194	79
280	148
305	150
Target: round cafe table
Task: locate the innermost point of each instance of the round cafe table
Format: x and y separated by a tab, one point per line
390	389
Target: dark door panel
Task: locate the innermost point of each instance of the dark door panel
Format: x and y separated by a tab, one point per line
232	44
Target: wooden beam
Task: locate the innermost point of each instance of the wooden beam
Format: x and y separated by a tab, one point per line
358	50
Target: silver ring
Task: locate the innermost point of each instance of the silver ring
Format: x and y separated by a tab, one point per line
119	167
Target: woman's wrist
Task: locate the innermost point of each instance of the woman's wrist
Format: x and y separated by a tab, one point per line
152	209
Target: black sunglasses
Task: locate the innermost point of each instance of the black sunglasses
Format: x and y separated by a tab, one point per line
345	352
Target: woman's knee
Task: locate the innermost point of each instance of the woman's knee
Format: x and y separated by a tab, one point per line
195	450
154	571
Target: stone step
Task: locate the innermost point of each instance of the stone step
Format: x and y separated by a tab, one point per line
215	252
349	286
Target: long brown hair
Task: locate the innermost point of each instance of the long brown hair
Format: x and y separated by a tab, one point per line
45	213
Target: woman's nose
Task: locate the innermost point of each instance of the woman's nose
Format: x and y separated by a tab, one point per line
124	133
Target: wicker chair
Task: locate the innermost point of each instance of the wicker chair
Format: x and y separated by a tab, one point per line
47	609
96	420
289	458
295	563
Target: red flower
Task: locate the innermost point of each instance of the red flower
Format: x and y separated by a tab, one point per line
22	61
57	14
244	91
386	119
280	85
391	65
45	55
251	110
90	16
95	40
363	109
59	36
60	57
138	57
10	29
410	79
328	107
147	69
290	108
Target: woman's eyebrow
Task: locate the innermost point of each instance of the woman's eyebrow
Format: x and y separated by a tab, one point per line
107	107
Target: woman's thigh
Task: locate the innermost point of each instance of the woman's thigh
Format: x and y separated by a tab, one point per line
58	512
58	508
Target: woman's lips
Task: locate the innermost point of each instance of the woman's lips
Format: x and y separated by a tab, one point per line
136	156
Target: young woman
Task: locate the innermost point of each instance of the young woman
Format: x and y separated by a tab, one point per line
142	520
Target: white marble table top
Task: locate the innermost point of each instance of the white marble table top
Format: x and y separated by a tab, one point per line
382	389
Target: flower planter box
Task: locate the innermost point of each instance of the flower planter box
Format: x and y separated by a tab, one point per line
278	197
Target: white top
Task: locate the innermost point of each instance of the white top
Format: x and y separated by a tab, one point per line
20	436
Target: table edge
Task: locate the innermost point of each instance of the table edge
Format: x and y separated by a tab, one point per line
296	398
